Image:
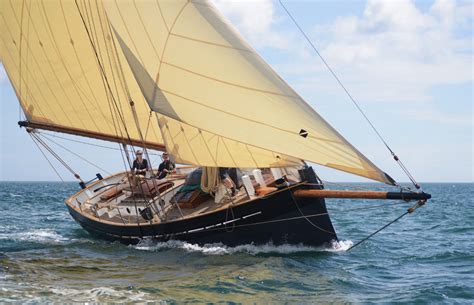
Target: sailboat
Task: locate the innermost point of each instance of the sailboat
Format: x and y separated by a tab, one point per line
176	76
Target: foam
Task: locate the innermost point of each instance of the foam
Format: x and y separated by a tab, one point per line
220	249
41	236
14	195
100	294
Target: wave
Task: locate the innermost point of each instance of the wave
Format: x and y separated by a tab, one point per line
41	236
100	294
15	195
221	249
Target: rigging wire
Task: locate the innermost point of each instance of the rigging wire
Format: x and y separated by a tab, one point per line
44	155
409	211
122	79
395	157
306	218
77	155
55	155
86	143
283	219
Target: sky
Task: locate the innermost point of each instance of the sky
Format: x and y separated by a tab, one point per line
408	64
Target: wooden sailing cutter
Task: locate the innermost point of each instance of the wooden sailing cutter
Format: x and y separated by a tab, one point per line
175	76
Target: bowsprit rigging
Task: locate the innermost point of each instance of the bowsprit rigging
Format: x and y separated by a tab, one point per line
187	83
395	157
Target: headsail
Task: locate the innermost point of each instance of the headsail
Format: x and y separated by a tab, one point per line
58	55
211	81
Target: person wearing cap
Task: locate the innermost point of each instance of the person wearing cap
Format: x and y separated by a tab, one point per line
166	167
140	165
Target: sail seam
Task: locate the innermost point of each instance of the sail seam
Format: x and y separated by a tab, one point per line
166	42
162	17
47	57
229	83
98	56
212	43
146	31
75	85
34	82
244	118
9	53
82	68
128	31
108	89
41	71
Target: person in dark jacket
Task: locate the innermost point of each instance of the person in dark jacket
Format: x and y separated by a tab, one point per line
140	165
230	178
166	167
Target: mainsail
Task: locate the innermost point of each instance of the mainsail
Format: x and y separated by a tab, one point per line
97	68
206	82
50	57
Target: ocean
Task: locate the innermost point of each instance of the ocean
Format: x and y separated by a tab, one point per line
426	257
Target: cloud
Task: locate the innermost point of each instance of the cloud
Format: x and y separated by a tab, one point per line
437	117
396	52
256	20
393	52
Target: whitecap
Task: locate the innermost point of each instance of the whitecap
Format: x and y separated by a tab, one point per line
15	195
46	236
100	293
339	246
221	249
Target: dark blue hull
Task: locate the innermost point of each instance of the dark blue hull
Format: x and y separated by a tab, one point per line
278	218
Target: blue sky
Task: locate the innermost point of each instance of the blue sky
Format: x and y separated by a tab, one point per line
409	64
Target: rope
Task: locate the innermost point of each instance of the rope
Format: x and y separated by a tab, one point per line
352	99
288	219
86	143
306	218
44	155
210	179
55	155
77	155
409	211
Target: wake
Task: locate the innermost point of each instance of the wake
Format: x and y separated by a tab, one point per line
221	249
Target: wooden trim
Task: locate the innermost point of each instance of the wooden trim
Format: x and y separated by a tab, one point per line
92	134
360	195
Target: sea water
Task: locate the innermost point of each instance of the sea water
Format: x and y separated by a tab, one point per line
426	257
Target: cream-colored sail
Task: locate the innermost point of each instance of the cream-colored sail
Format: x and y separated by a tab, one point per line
196	70
49	51
190	145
